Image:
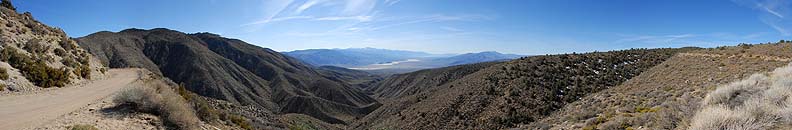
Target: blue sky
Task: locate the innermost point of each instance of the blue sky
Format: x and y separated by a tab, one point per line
438	26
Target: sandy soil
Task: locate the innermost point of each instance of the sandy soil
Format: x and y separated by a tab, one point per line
31	110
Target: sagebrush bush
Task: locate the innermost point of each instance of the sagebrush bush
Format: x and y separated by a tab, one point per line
761	101
160	99
83	71
82	127
240	120
35	71
4	74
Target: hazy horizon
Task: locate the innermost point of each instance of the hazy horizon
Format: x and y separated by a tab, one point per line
438	27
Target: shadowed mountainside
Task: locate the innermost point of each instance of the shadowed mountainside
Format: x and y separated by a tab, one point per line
232	70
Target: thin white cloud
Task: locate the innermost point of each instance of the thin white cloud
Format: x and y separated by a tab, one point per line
276	10
306	5
271	9
359	7
654	38
358	18
391	2
773	13
452	29
430	19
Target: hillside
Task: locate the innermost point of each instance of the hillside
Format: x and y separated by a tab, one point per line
401	85
469	58
232	70
35	56
361	79
666	96
507	94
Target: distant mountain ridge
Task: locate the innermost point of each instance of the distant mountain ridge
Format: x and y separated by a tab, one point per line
486	56
353	56
392	61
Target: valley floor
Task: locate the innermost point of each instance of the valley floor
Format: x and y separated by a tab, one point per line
29	110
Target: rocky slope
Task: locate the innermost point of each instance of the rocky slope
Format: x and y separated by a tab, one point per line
469	58
36	56
507	94
232	70
667	95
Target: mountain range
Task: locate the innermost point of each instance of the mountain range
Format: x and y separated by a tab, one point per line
391	61
729	87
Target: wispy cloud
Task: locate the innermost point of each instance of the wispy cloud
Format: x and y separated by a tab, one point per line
391	2
772	12
400	21
305	6
654	38
283	10
680	40
358	18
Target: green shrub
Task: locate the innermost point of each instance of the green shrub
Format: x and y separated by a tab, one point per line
35	71
302	126
82	127
60	52
3	74
70	62
240	120
35	46
83	71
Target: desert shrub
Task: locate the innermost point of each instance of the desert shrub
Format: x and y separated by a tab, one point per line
68	46
36	46
35	71
202	107
240	120
159	99
60	52
302	126
3	74
7	4
758	102
70	62
2	87
82	127
83	71
84	59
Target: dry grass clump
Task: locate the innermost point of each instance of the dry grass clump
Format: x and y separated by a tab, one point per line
82	127
4	74
762	101
159	99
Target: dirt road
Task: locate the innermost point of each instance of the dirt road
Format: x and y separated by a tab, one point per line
25	111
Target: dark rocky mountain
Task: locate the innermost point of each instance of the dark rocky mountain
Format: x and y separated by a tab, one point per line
361	79
232	70
401	85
